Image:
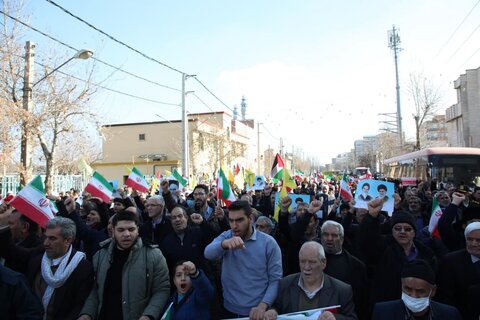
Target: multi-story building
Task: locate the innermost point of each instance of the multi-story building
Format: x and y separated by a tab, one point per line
462	118
434	132
215	139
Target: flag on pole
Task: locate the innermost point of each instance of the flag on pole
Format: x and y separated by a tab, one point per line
179	178
153	186
168	313
84	167
288	181
249	177
283	194
434	218
225	193
367	175
231	177
277	167
168	173
137	181
237	169
345	191
31	202
99	187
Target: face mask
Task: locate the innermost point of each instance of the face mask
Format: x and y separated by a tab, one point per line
415	304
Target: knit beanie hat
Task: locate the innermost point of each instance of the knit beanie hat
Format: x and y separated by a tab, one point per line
418	269
403	217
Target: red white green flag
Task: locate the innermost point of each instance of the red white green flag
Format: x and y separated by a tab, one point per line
100	187
345	191
31	202
225	193
137	181
434	218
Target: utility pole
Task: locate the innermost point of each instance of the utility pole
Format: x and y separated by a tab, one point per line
185	163
394	44
281	147
259	172
26	147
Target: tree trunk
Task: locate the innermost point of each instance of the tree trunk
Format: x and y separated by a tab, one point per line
49	174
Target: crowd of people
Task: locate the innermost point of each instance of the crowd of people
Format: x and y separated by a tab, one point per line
185	256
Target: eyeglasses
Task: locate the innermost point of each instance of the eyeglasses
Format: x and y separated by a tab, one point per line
199	194
151	205
400	228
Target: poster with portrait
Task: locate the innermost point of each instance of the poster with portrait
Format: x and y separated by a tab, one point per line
296	198
258	183
368	190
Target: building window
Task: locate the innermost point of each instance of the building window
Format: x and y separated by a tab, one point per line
141	137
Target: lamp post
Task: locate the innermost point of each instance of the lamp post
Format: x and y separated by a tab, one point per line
26	149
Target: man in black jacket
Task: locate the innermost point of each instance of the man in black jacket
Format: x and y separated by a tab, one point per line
459	277
418	287
345	267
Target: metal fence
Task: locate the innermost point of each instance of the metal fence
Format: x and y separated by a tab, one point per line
11	183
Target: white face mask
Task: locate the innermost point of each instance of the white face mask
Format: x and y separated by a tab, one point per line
415	304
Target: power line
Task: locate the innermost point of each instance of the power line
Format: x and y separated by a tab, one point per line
209	91
113	90
113	38
463	43
458	27
94	58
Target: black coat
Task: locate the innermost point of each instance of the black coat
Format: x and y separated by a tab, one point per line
155	235
355	274
459	283
395	310
387	258
18	302
68	300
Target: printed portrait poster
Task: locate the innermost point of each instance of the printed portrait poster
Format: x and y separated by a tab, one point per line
368	190
259	183
295	199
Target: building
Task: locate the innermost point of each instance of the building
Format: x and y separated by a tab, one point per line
434	132
463	122
214	139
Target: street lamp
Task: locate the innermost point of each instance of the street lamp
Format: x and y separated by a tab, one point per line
26	152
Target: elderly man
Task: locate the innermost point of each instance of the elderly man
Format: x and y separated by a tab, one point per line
131	279
59	275
344	266
158	225
418	287
459	277
187	242
251	265
387	254
312	288
264	224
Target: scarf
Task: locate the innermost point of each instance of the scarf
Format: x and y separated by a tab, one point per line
61	275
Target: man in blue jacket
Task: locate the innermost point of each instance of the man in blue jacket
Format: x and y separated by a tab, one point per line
418	287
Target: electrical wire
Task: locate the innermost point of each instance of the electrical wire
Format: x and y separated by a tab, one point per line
463	43
94	58
113	38
113	90
456	29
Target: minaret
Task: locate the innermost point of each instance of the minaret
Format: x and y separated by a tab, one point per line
235	112
243	108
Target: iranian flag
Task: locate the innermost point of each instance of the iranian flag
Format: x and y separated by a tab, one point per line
137	181
277	167
225	193
436	214
345	191
99	187
31	202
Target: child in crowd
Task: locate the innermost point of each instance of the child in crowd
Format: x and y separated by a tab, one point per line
193	294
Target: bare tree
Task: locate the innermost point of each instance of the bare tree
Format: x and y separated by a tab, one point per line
426	98
61	104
